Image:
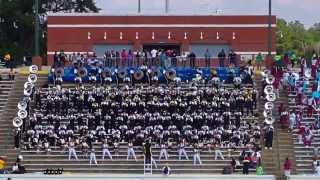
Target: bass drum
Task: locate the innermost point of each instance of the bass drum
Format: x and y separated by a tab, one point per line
138	75
171	74
122	74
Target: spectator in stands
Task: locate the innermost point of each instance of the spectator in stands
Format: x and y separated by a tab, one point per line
117	59
130	58
207	57
232	58
259	60
124	57
246	164
287	166
316	151
192	58
222	57
154	54
292	120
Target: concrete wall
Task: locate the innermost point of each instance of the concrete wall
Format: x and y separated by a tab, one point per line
304	177
135	177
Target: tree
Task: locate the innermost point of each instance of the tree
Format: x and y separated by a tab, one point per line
292	36
17	22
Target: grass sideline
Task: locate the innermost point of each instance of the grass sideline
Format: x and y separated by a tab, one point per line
25	71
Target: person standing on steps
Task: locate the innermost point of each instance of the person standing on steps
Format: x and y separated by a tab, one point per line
268	137
287	166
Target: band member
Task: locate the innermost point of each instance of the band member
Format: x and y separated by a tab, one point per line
105	150
181	150
217	152
147	152
196	154
163	152
131	151
93	157
116	148
72	151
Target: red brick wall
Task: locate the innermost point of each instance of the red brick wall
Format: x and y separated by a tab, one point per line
250	39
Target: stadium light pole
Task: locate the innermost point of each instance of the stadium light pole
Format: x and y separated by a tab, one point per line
269	59
139	6
270	29
36	28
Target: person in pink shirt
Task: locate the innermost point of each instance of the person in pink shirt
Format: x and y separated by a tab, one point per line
287	166
123	56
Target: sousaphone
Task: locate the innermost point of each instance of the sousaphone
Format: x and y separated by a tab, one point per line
269	105
270	79
271	97
33	69
269	89
32	78
267	113
22	105
22	114
17	122
269	120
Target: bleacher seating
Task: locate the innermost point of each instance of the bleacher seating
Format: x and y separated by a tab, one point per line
37	157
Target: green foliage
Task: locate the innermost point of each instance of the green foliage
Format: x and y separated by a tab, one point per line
17	23
293	36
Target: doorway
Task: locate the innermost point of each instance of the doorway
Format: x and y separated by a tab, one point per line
174	47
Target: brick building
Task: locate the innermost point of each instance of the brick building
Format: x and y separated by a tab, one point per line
246	35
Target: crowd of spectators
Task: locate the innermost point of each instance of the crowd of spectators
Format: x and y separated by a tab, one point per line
129	58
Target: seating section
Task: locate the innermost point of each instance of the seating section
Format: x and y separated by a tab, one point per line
305	127
211	118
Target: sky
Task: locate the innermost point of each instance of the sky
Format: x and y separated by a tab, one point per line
306	11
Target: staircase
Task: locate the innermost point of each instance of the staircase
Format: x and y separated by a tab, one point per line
282	139
9	111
